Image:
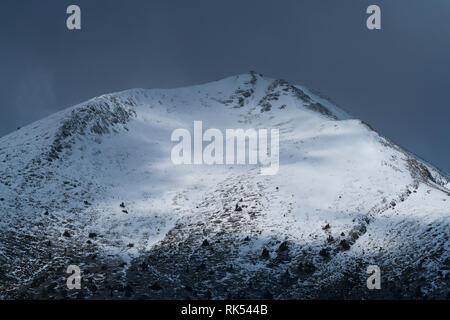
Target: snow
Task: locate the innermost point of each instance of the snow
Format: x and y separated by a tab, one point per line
333	170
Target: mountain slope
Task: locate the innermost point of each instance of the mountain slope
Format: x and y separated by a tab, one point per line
344	198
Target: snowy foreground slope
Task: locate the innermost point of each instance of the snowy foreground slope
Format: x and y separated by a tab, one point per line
344	198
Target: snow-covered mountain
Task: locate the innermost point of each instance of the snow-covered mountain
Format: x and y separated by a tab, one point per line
94	186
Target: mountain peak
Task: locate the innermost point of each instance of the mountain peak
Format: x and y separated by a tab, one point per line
344	197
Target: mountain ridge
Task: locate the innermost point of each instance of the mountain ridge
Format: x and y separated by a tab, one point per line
342	192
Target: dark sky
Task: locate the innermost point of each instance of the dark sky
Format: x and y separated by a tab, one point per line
396	79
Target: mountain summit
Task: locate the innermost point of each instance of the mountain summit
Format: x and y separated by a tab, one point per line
94	186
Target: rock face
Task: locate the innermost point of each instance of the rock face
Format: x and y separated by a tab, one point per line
94	186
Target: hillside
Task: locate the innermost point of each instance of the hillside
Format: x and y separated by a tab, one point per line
94	186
